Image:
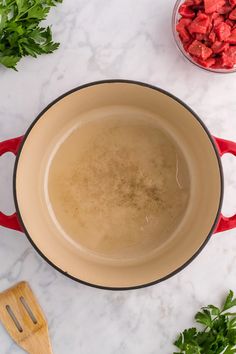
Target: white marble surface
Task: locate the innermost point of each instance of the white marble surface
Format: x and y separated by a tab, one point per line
103	39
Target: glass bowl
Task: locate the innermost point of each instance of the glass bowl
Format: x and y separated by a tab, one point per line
175	18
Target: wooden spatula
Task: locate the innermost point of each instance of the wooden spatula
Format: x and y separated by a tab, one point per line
24	320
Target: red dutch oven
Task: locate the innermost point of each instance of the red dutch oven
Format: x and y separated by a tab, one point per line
118	184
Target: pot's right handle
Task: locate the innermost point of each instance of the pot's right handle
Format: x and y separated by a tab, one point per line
225	147
12	145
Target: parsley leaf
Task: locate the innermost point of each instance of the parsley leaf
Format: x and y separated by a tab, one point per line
230	301
20	31
218	335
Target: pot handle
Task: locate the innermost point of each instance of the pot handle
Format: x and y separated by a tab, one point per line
225	147
12	145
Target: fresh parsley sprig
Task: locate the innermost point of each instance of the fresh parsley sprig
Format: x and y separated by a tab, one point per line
20	33
218	335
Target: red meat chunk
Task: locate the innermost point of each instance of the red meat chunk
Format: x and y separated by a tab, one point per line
218	64
184	22
213	5
232	38
227	61
232	2
193	2
208	63
189	3
219	19
231	52
230	23
232	15
200	24
219	47
187	44
229	58
212	37
182	29
214	15
199	50
225	9
200	37
186	11
223	31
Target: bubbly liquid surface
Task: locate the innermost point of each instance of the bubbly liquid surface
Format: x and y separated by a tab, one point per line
118	186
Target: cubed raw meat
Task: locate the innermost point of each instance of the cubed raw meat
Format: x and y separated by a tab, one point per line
184	22
225	9
232	15
208	63
189	3
227	61
193	2
199	50
200	36
186	11
219	19
212	37
230	23
187	44
207	29
200	24
232	38
229	57
213	5
182	29
223	31
214	15
218	63
219	47
231	52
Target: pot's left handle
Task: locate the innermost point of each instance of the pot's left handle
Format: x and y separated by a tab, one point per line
12	145
225	147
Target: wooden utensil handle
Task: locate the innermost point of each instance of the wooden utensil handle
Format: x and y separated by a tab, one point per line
38	343
41	351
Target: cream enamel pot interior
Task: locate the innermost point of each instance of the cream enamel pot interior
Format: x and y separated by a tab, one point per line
127	262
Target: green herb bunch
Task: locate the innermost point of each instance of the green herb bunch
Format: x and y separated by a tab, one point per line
218	335
20	33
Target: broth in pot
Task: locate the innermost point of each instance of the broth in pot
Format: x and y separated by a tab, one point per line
117	186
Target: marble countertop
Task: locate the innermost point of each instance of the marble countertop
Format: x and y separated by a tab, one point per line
103	39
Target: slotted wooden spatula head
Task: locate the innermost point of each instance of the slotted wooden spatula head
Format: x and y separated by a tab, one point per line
23	318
